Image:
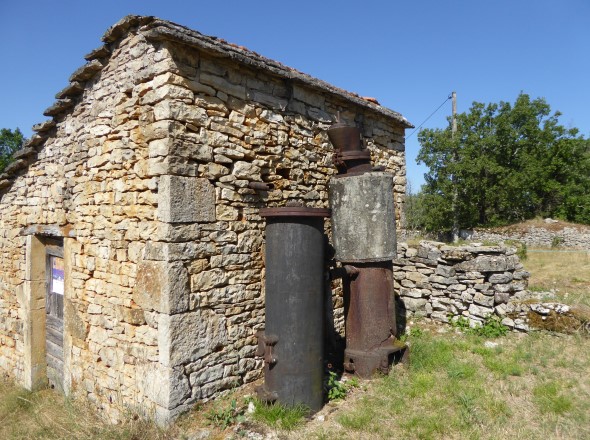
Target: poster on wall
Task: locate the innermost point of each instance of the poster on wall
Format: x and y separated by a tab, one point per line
57	275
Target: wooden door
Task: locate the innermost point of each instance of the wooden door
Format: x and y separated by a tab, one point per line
54	309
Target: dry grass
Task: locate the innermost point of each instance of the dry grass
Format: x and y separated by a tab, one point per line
565	273
48	415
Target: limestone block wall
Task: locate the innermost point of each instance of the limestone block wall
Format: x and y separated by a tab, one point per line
92	183
442	282
231	126
144	170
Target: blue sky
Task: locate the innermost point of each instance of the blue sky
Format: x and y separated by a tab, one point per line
409	55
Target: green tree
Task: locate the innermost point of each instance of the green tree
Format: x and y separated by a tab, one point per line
507	163
10	142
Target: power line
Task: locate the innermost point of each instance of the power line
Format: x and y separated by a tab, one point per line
431	115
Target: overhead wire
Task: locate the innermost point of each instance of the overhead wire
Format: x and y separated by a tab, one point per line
431	115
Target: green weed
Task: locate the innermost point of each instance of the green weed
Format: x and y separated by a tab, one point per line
224	417
492	327
557	241
336	389
521	248
550	398
280	416
339	389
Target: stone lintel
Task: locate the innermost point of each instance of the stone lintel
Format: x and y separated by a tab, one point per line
49	230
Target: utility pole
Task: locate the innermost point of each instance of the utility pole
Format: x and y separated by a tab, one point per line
455	230
454	127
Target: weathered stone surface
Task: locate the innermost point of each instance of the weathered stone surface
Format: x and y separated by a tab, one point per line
44	126
100	52
24	153
416	277
180	111
538	236
60	106
185	199
414	304
486	263
136	253
87	71
187	337
483	300
246	170
456	286
445	271
480	311
162	286
501	297
72	89
77	326
129	315
165	386
502	278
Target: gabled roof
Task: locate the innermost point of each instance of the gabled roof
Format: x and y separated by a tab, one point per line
156	29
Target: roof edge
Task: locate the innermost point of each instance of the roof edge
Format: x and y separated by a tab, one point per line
158	29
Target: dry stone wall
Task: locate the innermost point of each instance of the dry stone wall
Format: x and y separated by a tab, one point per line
445	282
568	237
145	170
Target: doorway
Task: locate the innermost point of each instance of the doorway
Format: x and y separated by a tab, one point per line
54	313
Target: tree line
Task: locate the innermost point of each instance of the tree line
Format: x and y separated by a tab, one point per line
505	163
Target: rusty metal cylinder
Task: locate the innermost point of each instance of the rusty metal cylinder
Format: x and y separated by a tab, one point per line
364	236
363	217
293	341
370	319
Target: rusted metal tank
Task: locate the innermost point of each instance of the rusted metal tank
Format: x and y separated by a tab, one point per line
293	341
369	307
364	237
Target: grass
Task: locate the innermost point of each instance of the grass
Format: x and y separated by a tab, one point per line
533	386
566	273
280	416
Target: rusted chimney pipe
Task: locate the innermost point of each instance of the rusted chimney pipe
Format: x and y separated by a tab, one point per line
261	186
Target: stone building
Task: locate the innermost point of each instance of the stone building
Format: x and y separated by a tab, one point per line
131	249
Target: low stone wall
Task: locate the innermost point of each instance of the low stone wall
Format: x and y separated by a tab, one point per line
568	237
442	282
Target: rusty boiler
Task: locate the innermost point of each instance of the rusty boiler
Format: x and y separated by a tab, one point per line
292	343
364	238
